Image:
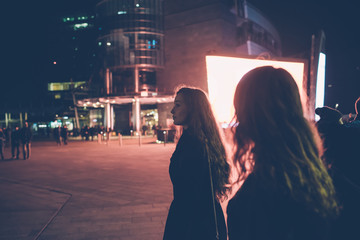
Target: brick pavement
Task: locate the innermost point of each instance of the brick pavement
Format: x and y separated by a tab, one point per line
86	190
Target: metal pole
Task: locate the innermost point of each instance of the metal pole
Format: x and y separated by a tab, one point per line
76	111
311	88
99	138
139	134
107	116
21	120
6	120
136	78
137	114
120	139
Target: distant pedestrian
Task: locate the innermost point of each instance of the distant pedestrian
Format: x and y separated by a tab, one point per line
26	137
154	129
15	142
57	135
144	129
92	131
2	143
86	133
7	136
64	134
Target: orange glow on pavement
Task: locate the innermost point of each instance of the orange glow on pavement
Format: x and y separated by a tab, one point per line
224	73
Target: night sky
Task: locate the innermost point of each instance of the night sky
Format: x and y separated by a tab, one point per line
26	23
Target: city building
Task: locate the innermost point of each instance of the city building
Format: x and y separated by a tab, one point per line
131	49
70	64
136	52
195	29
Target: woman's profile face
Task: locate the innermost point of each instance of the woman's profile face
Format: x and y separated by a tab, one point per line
180	111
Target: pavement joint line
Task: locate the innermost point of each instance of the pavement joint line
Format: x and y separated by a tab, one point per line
44	188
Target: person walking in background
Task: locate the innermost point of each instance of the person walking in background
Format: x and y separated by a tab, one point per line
26	136
2	143
287	192
64	134
57	135
15	142
92	132
197	191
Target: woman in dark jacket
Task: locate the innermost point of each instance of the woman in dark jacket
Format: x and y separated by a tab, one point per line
197	191
287	193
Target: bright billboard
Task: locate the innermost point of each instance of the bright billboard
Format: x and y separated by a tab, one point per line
224	73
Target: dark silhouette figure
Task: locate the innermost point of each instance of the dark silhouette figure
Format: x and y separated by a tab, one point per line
64	134
92	132
287	192
2	144
26	136
57	135
144	129
86	133
197	192
15	142
342	144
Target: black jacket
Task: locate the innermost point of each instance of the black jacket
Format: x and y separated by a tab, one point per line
191	214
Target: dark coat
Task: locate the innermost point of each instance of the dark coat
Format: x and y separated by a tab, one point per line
342	151
191	214
15	137
26	135
259	211
2	138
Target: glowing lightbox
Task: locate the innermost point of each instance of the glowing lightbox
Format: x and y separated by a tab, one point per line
320	83
224	73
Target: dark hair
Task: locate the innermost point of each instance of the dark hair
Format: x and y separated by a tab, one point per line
285	148
357	108
202	123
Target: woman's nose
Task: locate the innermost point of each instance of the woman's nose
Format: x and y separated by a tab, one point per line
172	111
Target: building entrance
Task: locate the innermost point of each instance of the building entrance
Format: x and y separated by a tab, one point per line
149	121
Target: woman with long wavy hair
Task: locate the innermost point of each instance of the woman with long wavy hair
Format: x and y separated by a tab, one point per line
197	191
287	192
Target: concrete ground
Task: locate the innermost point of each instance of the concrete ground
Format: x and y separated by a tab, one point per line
86	190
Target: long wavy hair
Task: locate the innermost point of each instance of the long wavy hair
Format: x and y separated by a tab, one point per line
201	123
285	148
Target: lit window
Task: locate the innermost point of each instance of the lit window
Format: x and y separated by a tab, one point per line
99	43
80	25
108	43
121	12
137	5
57	96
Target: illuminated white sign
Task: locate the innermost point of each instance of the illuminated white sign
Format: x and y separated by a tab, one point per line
224	73
320	83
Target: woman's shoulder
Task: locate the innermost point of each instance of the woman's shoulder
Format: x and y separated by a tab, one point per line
189	139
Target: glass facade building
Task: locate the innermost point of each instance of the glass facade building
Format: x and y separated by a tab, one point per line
131	41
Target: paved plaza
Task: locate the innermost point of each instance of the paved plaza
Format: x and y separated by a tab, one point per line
86	190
